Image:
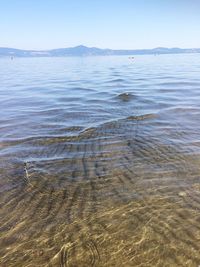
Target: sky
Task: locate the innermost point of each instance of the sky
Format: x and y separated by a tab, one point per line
115	24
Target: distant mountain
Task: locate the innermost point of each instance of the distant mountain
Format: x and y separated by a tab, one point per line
82	50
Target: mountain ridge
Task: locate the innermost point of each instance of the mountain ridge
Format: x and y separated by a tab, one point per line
82	50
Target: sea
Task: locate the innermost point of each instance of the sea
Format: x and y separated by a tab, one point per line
100	161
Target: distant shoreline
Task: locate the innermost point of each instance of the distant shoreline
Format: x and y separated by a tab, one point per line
92	51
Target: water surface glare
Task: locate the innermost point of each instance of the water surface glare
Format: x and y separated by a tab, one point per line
100	161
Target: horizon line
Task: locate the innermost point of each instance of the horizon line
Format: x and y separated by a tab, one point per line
85	46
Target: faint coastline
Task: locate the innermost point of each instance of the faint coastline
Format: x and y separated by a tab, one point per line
82	50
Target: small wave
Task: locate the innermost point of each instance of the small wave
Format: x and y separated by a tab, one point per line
119	80
187	110
83	89
179	84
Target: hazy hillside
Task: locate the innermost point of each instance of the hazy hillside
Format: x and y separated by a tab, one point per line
90	51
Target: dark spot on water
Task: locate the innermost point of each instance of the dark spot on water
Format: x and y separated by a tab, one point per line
142	117
125	97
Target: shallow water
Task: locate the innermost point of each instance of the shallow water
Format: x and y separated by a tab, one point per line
100	161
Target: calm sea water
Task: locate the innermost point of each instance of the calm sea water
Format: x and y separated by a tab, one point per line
100	161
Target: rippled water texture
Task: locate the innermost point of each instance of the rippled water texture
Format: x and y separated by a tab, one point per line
100	161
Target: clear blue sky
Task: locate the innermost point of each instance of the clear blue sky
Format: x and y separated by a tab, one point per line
46	24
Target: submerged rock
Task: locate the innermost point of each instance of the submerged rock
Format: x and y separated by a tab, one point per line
142	117
182	194
125	96
196	186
